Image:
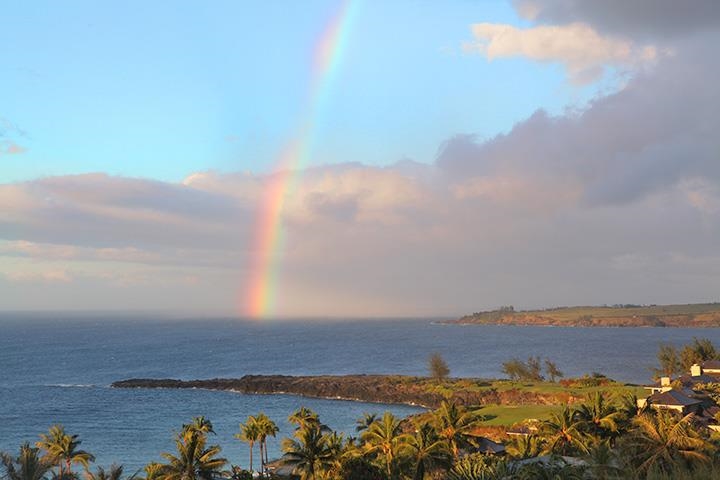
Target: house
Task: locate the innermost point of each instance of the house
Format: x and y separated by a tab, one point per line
678	400
521	431
488	447
663	385
711	367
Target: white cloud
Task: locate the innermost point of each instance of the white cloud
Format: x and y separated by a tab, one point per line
584	53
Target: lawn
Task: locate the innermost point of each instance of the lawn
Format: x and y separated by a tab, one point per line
507	415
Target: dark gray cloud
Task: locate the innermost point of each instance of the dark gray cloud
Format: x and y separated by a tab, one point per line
654	133
648	19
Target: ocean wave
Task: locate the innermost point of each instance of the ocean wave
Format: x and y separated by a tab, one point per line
70	385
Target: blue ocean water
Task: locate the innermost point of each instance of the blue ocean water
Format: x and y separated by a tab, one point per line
57	369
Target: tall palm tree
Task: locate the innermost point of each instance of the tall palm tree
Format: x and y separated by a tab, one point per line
26	466
664	441
266	428
62	449
249	433
599	418
454	423
309	453
194	459
384	438
563	433
199	424
113	473
338	450
428	450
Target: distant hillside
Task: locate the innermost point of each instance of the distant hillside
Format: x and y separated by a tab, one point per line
694	315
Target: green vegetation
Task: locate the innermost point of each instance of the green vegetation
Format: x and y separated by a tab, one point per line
601	437
702	315
531	370
439	369
506	415
673	361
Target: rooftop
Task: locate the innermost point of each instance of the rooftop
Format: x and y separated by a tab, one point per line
711	364
672	398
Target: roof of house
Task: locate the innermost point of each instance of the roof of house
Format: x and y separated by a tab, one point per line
485	445
521	430
711	364
693	380
673	398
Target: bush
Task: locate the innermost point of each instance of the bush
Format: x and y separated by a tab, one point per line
439	369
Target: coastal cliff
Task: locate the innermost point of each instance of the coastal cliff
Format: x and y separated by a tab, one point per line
696	315
371	388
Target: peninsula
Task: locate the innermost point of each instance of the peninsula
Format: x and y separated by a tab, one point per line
692	315
507	401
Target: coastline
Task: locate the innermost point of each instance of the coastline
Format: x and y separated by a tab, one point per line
421	392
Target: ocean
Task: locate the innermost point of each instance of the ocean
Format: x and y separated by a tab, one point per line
57	369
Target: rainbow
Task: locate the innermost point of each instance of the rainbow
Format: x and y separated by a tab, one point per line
260	297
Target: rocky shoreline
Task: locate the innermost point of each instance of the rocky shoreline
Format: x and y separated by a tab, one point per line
388	389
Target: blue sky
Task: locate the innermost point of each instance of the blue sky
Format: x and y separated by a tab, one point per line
164	89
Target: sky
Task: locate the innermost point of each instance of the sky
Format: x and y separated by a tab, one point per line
358	158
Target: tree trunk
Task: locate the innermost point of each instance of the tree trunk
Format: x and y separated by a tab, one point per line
262	460
419	471
251	452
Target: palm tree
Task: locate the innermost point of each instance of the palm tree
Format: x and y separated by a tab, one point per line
384	438
113	473
199	424
602	462
563	433
524	446
480	467
249	433
364	422
665	441
628	406
265	428
338	450
454	423
308	454
153	471
303	416
194	461
26	466
598	417
428	450
62	449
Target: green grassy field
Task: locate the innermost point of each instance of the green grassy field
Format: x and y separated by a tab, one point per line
569	313
701	314
510	414
507	415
